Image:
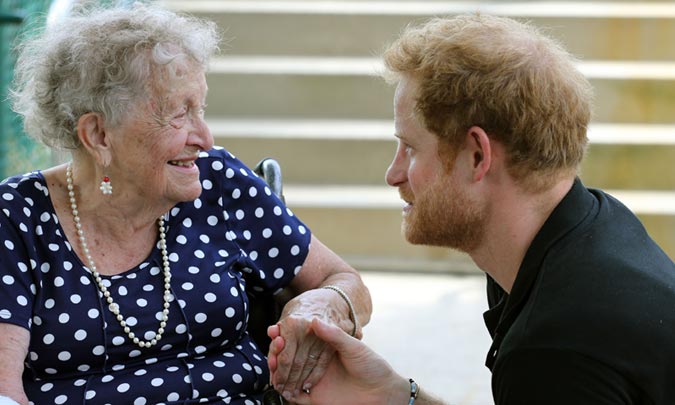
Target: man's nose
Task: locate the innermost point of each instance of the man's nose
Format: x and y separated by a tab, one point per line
395	173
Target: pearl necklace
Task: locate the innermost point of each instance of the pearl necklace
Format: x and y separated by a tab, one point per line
113	306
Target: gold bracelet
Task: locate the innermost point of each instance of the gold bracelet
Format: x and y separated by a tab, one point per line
352	313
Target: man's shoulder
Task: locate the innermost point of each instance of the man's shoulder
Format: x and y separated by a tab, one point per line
559	376
602	286
602	305
610	242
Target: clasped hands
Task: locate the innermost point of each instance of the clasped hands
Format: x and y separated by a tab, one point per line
355	374
313	360
298	358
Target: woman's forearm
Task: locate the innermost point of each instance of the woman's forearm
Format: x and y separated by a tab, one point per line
14	342
349	289
322	268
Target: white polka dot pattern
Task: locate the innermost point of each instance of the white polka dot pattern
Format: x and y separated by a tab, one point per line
235	237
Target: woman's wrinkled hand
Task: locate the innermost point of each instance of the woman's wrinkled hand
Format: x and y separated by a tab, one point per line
302	359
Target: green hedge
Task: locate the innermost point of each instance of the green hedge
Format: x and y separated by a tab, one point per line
18	153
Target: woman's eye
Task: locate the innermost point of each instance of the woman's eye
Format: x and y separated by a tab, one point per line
178	120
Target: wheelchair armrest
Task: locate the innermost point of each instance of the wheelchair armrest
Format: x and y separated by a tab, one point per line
270	171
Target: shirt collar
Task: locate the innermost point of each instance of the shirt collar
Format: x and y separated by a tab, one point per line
577	204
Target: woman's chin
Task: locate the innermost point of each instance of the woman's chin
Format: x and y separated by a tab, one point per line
185	192
193	193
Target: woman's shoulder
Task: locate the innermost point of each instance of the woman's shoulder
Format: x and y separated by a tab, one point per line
29	188
220	166
24	199
218	159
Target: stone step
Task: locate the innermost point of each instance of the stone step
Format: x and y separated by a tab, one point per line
359	152
362	224
361	28
371	66
364	197
359	96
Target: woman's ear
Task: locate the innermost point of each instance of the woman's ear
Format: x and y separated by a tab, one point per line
479	145
93	136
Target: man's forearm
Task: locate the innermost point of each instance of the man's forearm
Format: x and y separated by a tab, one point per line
405	391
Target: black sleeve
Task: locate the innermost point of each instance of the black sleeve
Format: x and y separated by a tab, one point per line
557	377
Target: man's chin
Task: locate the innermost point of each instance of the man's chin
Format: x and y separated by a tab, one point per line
413	236
416	236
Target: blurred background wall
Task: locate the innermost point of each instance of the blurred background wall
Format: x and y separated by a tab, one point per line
298	81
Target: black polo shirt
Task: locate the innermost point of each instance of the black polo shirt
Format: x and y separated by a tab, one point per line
591	315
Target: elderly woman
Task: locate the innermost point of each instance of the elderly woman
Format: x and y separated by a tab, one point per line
126	271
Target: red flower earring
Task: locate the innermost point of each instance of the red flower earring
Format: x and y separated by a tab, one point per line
106	187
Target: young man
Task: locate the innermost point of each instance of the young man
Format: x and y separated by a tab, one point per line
491	119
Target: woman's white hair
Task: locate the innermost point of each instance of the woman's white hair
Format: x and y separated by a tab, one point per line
105	61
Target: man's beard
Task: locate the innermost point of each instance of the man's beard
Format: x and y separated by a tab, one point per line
444	216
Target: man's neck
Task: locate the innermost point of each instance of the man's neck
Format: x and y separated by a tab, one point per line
515	220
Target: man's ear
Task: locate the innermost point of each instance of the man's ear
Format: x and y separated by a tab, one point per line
92	134
479	145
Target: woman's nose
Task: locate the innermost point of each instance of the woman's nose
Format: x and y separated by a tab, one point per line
200	135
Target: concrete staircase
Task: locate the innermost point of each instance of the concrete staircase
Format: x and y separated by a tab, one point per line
298	82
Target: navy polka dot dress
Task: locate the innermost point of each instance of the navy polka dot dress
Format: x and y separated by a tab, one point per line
237	237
